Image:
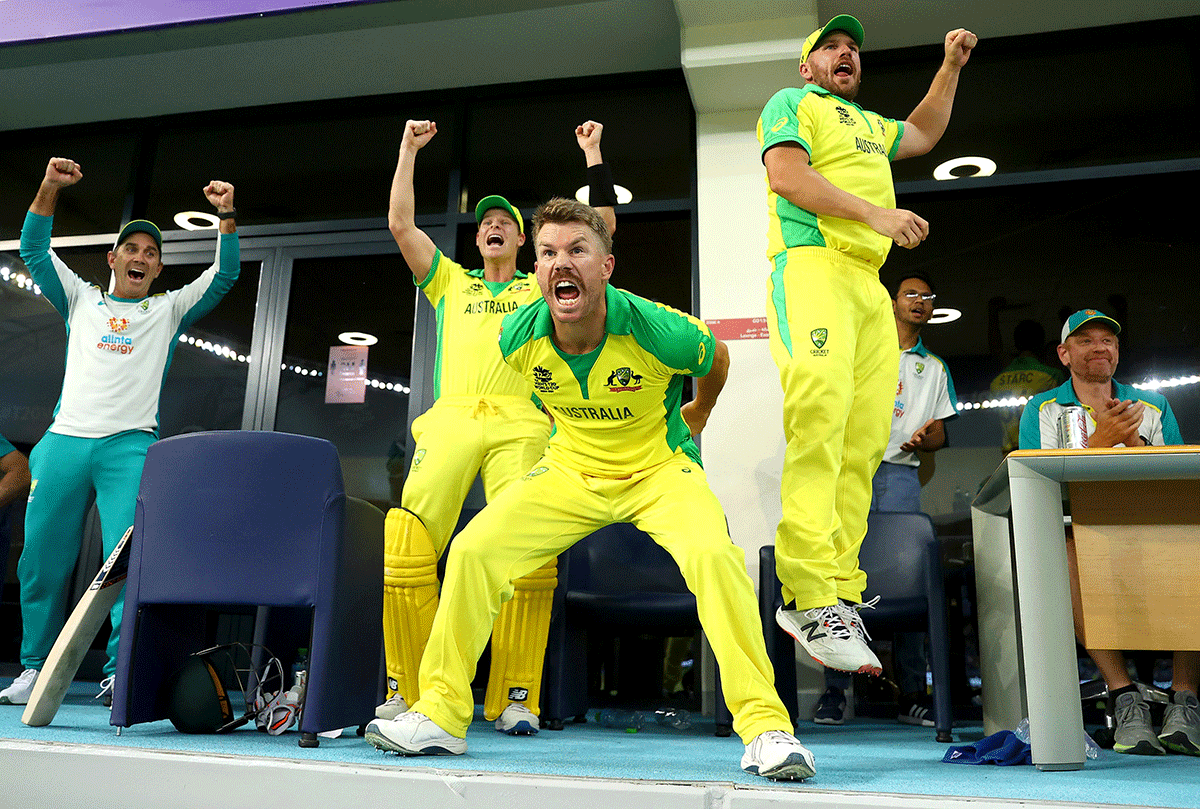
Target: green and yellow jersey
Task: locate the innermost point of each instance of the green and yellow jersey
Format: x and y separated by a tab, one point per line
469	313
615	409
848	146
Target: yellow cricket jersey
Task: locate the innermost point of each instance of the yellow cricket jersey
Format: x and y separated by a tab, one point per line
469	313
616	409
847	145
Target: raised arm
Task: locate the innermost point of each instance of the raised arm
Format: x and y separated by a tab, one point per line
708	388
791	177
220	194
927	122
602	195
416	247
60	172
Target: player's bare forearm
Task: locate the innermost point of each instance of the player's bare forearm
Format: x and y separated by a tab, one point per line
927	122
14	477
45	201
791	177
935	436
709	386
416	247
60	173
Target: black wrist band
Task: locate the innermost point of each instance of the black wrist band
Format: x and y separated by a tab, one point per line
601	192
227	214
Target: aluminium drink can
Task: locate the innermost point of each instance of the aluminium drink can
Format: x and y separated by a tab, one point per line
1072	428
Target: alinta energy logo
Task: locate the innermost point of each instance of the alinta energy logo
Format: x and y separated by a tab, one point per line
116	341
623	379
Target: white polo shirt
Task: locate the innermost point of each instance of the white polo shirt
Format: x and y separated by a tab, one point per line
924	391
1039	420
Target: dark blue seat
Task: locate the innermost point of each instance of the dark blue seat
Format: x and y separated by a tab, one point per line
902	559
616	579
252	518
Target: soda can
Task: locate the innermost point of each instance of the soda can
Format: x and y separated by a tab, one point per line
1072	428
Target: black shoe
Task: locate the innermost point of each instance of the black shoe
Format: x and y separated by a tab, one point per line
915	711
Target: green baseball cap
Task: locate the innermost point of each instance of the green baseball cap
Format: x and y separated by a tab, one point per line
1084	316
496	201
140	226
842	22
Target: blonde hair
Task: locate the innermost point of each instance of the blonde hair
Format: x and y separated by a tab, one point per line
563	211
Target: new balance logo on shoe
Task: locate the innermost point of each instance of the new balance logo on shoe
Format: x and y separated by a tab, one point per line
811	631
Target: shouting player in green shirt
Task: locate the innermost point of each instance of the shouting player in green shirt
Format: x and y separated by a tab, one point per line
609	366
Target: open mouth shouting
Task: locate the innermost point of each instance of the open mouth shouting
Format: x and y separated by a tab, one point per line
566	292
495	240
844	69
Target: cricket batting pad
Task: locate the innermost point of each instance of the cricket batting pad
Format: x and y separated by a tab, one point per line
519	643
410	599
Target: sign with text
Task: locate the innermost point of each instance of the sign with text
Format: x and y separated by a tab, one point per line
346	381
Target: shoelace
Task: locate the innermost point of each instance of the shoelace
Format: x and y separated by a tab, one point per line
833	620
106	687
851	611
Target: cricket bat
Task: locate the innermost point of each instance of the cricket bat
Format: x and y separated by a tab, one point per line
77	636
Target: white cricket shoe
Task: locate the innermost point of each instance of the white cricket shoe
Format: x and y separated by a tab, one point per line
394	706
413	734
517	720
779	756
18	693
829	639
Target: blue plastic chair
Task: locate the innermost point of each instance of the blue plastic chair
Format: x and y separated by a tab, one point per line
902	559
617	579
252	519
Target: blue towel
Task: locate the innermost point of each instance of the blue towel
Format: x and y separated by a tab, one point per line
1002	748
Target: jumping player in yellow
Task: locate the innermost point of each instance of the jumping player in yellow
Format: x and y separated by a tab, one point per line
484	421
609	366
833	218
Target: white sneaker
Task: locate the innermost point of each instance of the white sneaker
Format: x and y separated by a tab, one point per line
394	706
18	693
517	720
779	756
829	639
413	734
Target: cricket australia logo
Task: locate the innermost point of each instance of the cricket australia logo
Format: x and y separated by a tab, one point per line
417	458
844	117
818	337
624	379
533	473
144	305
920	368
118	324
543	380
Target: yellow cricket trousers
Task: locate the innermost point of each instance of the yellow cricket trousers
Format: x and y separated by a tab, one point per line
834	339
551	509
497	437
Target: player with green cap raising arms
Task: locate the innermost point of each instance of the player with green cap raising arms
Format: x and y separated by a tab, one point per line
119	346
484	421
832	219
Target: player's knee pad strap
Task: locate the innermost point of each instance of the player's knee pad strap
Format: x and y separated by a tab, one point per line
519	642
410	598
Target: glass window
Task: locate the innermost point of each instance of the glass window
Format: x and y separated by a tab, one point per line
373	294
523	147
92	205
302	163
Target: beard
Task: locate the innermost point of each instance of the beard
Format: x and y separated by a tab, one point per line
826	82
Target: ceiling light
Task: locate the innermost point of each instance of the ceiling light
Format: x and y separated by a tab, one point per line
196	220
983	166
624	196
944	316
358	338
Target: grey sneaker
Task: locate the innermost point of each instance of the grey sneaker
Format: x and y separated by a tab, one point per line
517	720
1133	732
779	756
1181	724
413	734
18	693
829	639
394	706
